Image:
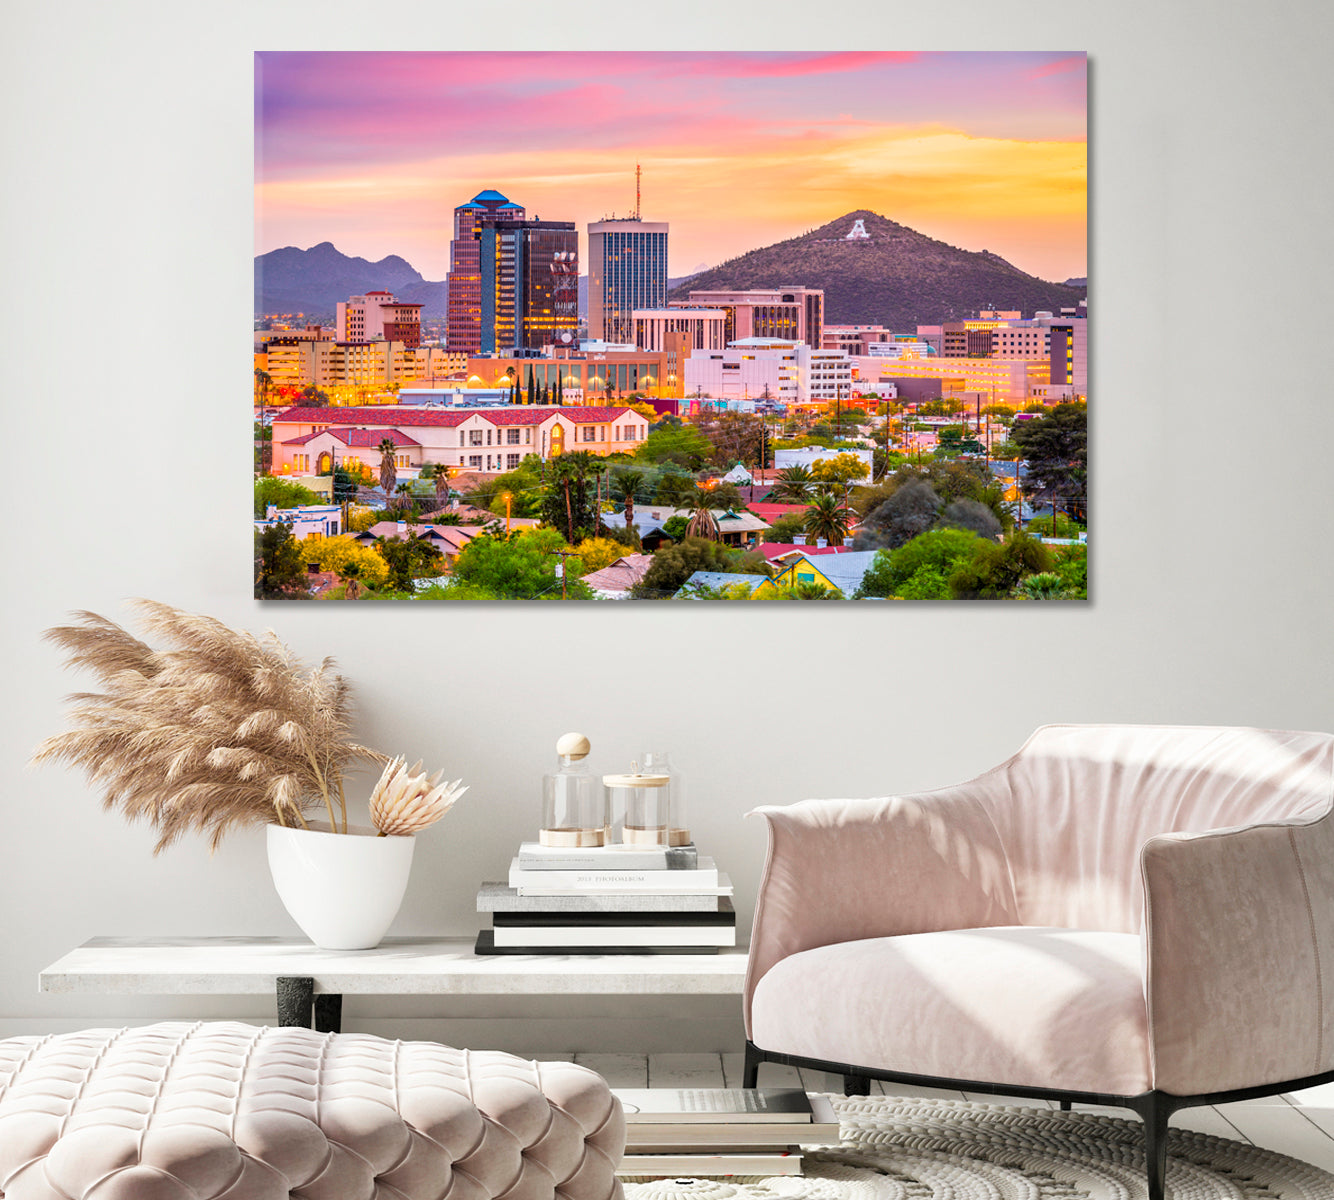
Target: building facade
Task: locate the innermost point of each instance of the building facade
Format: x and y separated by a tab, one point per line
704	328
464	329
297	362
488	439
378	316
794	314
586	376
786	372
529	284
627	269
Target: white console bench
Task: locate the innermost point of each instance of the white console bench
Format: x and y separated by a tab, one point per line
309	983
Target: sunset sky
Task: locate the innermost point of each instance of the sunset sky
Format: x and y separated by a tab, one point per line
372	151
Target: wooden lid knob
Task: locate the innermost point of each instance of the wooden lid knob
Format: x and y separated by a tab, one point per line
573	745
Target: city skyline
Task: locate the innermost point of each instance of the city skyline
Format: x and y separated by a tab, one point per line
372	151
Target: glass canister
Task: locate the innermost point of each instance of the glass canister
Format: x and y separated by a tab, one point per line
638	803
574	807
657	762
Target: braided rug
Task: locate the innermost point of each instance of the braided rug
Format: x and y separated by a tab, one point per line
907	1149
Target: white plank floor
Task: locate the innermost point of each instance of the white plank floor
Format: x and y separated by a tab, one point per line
1300	1124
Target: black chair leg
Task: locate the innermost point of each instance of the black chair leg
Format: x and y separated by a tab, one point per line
856	1085
1155	1110
751	1071
1065	1105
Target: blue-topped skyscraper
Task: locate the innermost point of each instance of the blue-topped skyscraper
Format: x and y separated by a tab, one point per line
627	269
464	333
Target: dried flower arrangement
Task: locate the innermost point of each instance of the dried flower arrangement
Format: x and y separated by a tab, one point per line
218	731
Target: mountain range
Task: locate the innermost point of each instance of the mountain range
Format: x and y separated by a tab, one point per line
892	276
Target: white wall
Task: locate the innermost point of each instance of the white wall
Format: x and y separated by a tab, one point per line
126	150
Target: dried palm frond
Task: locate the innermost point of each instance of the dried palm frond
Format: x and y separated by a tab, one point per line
405	801
219	729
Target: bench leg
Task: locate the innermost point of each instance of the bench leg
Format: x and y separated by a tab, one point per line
1155	1110
856	1085
296	997
329	1012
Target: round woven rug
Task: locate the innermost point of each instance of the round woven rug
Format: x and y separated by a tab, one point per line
901	1149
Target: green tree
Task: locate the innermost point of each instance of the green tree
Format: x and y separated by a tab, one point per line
932	556
282	493
999	567
675	527
521	567
279	566
910	510
829	518
344	485
312	397
972	515
627	484
388	470
1072	566
1056	449
569	502
841	470
792	484
408	559
673	565
786	528
676	488
683	445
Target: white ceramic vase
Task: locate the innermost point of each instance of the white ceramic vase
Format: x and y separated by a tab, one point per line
343	889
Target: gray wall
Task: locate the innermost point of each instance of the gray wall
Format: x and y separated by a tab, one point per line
127	219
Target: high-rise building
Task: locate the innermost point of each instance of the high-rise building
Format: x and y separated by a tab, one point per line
529	291
464	332
627	269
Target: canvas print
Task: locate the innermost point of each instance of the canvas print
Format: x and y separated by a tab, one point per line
633	326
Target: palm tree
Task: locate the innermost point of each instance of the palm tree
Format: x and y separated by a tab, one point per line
626	484
388	471
793	483
441	486
829	518
702	521
350	573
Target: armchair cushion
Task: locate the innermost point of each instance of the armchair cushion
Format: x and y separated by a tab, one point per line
1014	1005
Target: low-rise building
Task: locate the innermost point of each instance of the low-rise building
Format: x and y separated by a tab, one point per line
788	372
484	439
305	521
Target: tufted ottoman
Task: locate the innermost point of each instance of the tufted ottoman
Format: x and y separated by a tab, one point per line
180	1111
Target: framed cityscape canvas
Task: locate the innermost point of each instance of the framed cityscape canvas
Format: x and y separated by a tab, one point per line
639	327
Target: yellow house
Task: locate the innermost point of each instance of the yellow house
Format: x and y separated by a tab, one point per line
837	572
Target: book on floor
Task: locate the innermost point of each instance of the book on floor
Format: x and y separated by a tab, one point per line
705	875
662	1137
535	857
718	1106
691	1165
497	897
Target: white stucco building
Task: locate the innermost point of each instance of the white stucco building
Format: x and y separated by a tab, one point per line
770	368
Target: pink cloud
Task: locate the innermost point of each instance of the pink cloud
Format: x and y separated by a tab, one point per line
1061	66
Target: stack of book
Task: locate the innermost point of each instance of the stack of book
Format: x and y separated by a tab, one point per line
608	900
702	1132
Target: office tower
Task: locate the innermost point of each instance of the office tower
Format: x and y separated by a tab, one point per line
627	269
464	332
529	289
377	315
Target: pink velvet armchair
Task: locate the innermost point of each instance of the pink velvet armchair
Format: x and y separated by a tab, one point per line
1129	915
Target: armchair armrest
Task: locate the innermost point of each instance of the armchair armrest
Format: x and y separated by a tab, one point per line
1239	944
842	870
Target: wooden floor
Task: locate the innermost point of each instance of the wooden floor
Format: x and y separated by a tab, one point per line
1300	1124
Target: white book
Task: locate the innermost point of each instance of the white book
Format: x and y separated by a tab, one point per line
659	1138
614	935
533	856
704	1165
715	1106
724	888
703	876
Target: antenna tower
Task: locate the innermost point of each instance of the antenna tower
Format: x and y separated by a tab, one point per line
636	191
